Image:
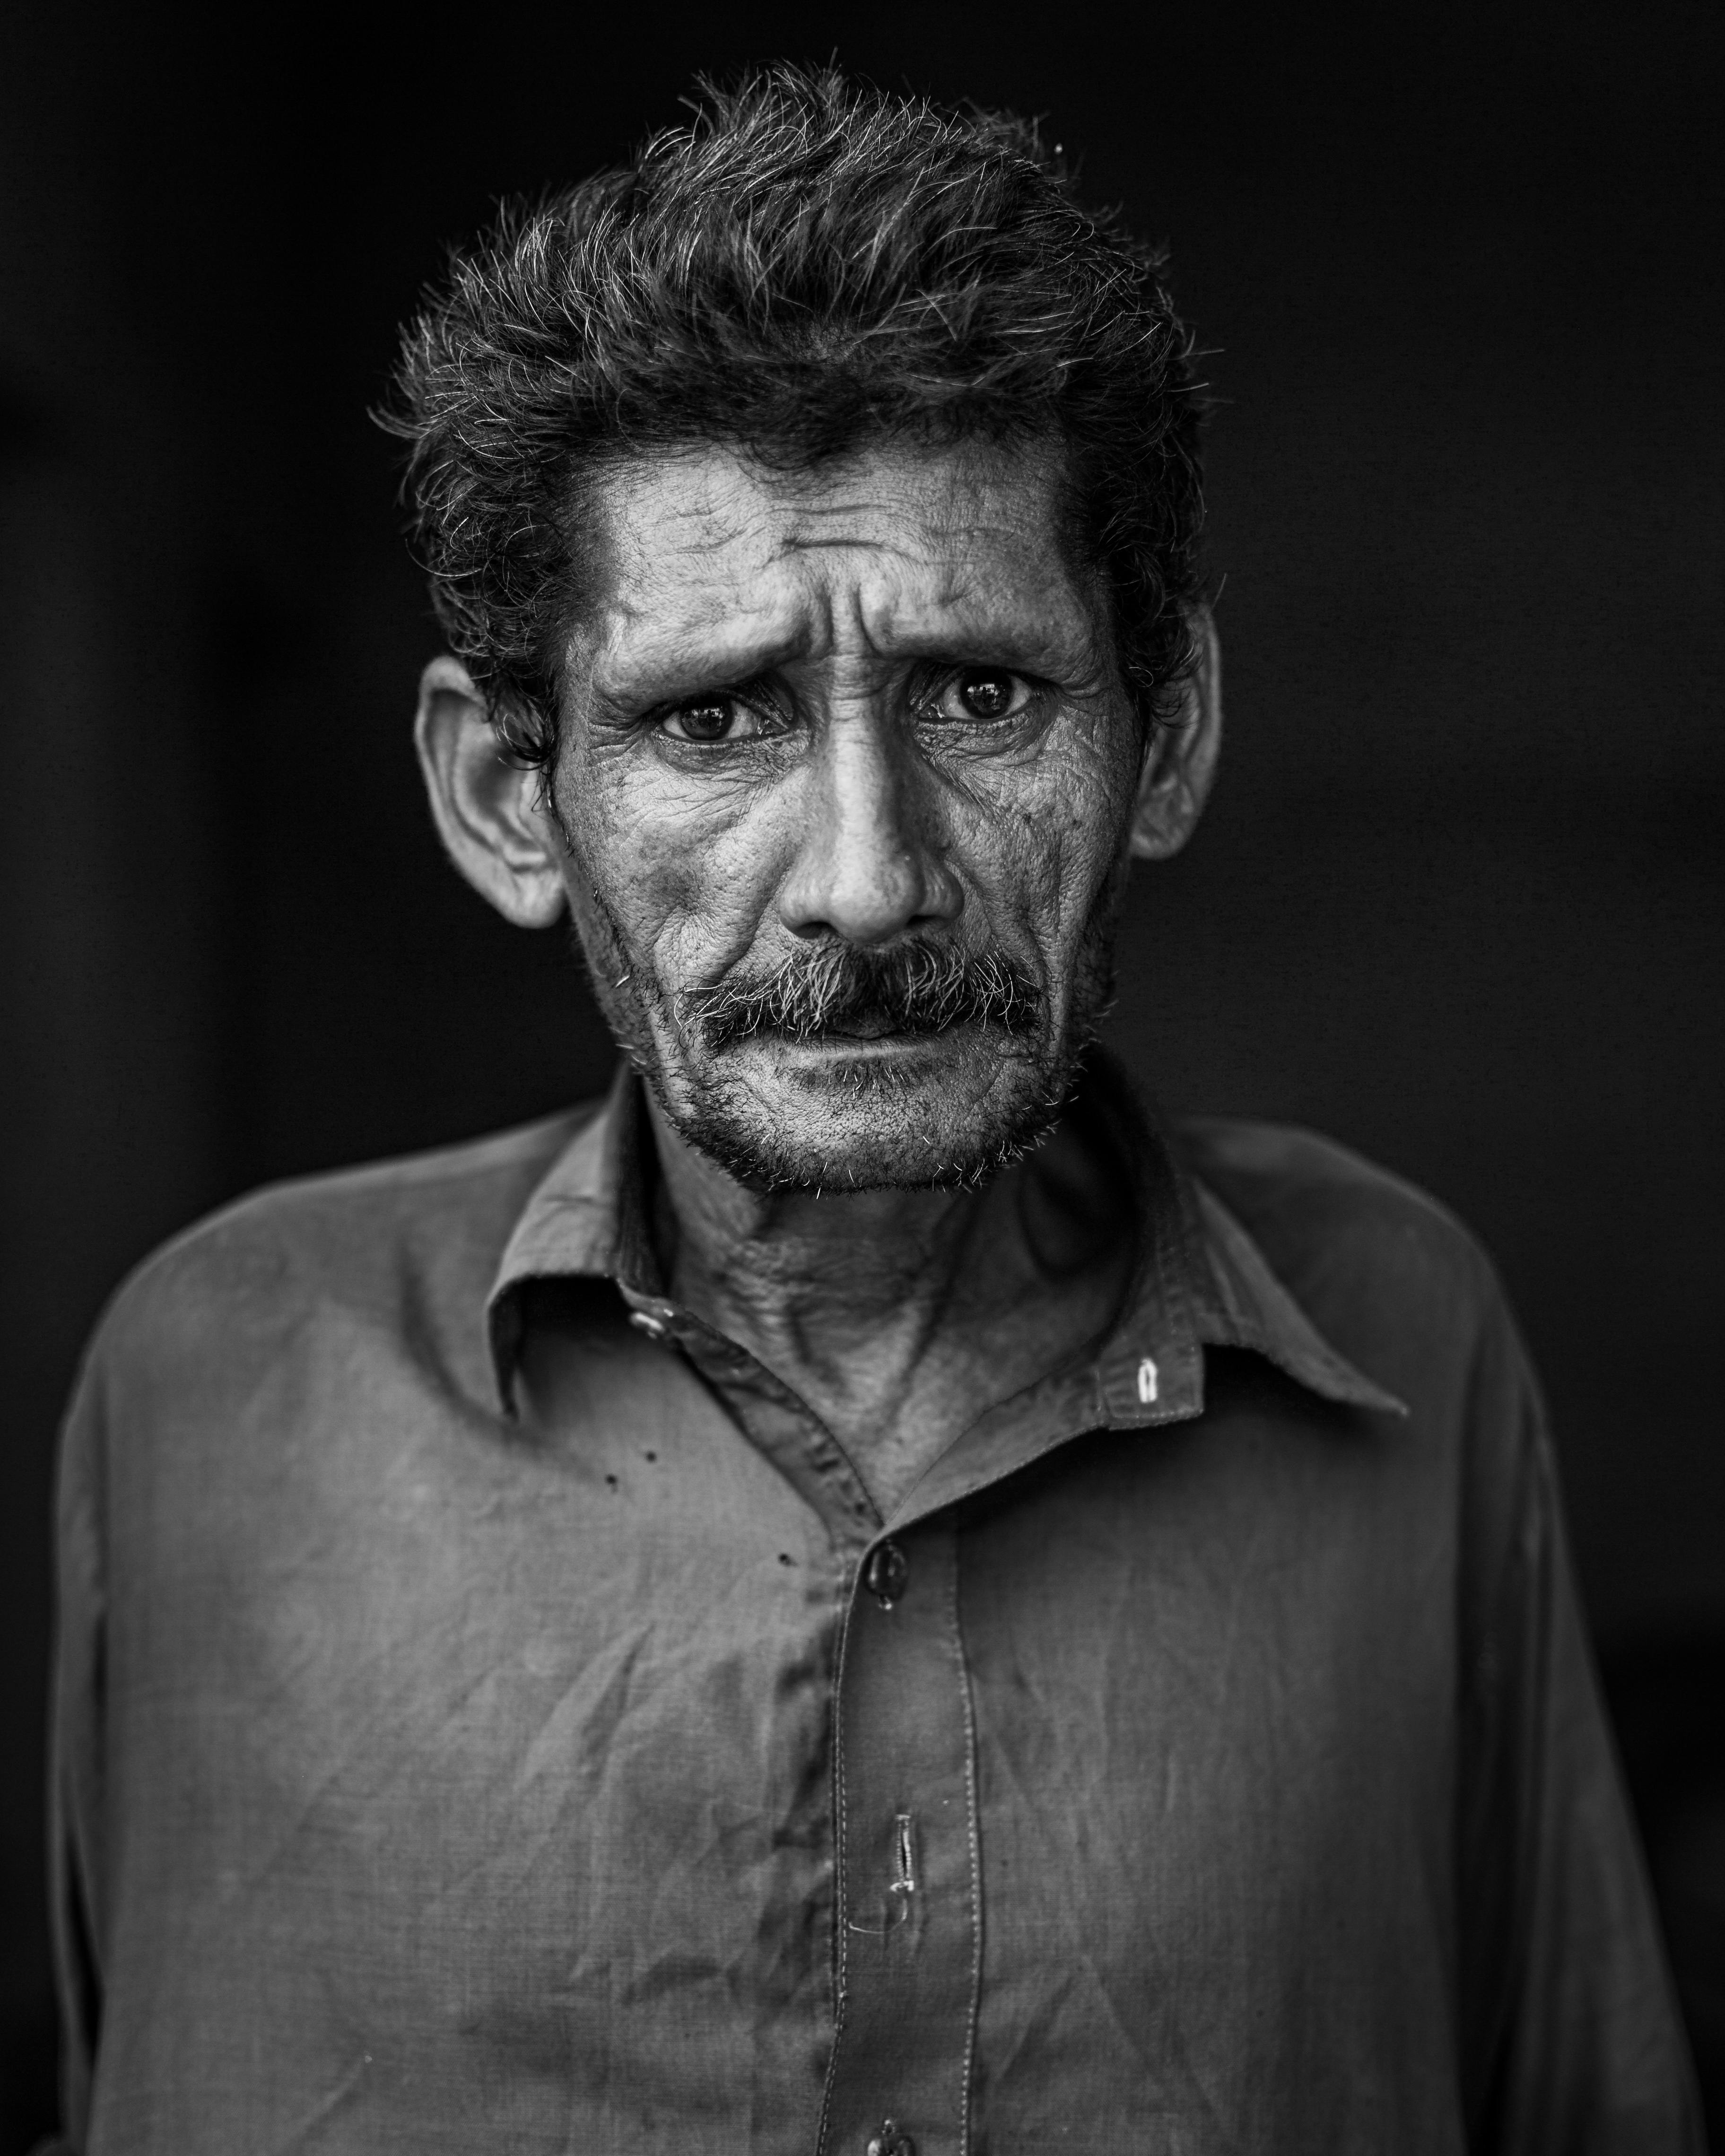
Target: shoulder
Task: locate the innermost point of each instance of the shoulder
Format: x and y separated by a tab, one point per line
421	1229
1308	1201
1390	1275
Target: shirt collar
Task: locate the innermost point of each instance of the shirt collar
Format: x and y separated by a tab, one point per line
587	1218
1202	1281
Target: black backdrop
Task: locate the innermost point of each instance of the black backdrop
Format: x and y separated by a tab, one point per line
1458	900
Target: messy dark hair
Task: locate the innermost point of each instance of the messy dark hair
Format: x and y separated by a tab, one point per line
810	265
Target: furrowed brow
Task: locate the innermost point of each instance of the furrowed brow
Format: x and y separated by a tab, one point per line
1027	643
646	661
660	666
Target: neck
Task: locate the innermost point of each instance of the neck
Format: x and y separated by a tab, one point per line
899	1315
794	1265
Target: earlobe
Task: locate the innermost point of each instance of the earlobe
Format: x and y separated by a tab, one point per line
1180	756
487	807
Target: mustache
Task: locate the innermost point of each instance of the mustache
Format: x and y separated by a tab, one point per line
915	986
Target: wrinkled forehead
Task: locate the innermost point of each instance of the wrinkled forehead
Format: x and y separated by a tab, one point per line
707	558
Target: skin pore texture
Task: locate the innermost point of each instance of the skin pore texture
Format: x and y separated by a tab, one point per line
812	723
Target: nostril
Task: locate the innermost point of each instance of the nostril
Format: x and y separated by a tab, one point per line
868	896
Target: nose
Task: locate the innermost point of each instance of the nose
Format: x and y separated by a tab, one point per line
868	865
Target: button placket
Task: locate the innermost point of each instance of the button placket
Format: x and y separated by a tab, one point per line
907	1941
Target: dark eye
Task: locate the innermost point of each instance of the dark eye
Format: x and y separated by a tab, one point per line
981	693
711	719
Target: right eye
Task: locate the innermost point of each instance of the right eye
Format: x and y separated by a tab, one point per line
713	718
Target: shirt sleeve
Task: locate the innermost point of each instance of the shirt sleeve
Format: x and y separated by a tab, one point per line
75	1806
1573	2041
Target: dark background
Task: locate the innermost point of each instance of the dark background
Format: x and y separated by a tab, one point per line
1458	900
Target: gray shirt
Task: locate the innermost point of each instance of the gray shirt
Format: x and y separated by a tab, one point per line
493	1716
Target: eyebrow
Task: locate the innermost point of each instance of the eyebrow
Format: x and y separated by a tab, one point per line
677	662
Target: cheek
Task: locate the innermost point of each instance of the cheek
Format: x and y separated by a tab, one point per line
684	879
1043	841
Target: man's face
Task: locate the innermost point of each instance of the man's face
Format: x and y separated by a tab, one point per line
846	774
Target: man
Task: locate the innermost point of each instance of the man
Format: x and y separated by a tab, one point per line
857	1596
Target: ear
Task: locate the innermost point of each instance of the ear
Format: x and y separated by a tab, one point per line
1180	755
489	811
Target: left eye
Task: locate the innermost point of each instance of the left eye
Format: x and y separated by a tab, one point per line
716	718
982	692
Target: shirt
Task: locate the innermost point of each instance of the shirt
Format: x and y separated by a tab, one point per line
492	1715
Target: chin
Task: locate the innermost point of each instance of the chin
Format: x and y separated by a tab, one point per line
944	1113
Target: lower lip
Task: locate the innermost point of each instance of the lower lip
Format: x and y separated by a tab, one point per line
850	1048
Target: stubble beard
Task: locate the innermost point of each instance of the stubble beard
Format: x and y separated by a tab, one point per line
1001	1060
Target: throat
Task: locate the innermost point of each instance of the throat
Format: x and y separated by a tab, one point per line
899	1317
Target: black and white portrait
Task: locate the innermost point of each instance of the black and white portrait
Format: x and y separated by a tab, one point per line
862	916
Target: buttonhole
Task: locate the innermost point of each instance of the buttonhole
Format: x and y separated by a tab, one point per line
904	1853
610	1482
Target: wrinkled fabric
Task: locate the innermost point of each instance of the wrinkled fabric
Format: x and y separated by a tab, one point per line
491	1715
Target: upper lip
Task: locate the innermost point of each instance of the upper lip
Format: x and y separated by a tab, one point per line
867	1027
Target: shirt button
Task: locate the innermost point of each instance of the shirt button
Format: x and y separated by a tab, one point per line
885	1574
891	2140
644	1320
